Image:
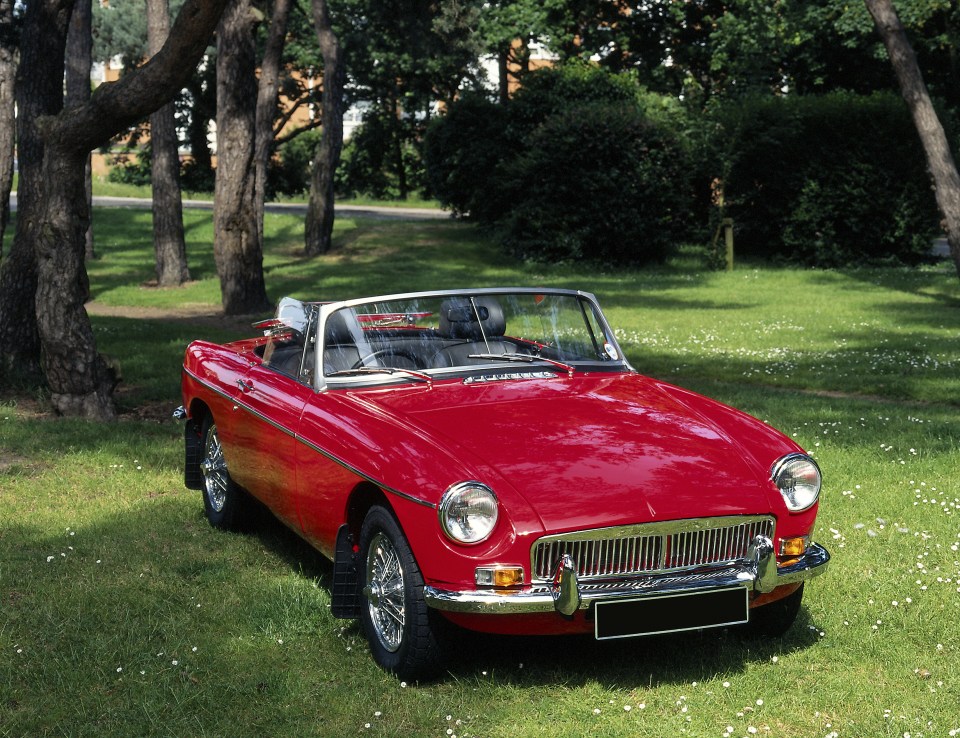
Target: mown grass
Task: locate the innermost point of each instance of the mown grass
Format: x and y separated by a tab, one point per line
123	613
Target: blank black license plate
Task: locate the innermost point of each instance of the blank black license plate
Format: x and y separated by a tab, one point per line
671	612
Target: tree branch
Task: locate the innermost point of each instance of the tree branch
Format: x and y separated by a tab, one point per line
116	105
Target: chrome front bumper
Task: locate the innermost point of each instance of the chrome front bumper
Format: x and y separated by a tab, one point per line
566	594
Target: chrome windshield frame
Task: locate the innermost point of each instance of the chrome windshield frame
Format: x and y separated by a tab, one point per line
326	309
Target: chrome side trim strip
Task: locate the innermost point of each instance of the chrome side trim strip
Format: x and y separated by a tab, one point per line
354	470
239	404
540	598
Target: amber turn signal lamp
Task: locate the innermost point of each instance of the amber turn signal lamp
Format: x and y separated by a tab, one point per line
794	547
499	576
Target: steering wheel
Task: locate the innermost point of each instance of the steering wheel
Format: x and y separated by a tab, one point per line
389	351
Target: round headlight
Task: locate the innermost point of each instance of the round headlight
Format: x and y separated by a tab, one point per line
468	512
798	478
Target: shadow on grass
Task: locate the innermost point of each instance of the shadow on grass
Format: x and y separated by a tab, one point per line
649	661
569	660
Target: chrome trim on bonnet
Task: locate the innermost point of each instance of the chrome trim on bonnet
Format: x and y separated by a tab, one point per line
540	598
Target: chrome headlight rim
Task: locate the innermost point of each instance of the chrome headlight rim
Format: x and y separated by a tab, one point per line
785	466
453	497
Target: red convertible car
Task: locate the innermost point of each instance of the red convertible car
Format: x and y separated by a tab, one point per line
489	457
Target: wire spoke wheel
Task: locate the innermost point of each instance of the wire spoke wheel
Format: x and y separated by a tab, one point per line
385	593
226	505
216	480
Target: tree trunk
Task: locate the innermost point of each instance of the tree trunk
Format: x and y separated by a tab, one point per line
318	235
80	380
503	68
39	92
8	118
396	123
266	112
53	213
940	161
79	59
202	88
168	240
236	246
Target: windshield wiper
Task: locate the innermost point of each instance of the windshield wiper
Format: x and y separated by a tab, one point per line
383	370
526	358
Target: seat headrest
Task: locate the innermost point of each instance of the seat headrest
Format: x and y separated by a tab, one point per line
341	327
459	319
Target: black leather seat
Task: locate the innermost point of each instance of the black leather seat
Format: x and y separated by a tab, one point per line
340	335
479	326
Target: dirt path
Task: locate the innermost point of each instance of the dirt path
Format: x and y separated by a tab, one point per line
190	313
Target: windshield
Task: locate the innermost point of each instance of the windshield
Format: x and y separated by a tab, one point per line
427	335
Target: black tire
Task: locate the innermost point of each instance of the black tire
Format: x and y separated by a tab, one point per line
394	615
224	503
775	619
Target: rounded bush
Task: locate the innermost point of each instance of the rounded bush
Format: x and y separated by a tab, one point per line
581	164
827	181
602	183
462	152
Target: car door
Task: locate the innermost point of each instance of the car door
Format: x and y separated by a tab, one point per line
272	395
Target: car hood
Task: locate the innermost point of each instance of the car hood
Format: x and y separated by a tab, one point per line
598	450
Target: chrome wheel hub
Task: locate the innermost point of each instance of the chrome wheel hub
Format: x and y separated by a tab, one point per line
384	592
214	469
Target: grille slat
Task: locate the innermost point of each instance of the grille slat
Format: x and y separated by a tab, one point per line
652	548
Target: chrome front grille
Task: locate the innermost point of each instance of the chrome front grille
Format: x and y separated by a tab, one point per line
651	548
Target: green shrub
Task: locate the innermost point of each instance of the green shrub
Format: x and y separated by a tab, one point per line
132	168
601	182
553	90
581	164
382	159
289	171
827	180
462	152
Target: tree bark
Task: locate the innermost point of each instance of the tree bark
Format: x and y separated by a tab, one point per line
503	68
38	92
79	60
940	161
54	212
318	234
168	239
237	248
267	92
8	119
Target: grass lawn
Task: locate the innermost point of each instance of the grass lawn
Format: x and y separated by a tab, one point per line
103	186
123	613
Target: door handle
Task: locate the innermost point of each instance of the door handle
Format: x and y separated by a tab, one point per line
245	385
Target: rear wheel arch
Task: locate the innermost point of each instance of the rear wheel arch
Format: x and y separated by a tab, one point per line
192	442
199	410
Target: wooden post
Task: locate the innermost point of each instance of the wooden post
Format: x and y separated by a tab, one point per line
728	240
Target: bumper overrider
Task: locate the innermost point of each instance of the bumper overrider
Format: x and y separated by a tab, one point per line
566	595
